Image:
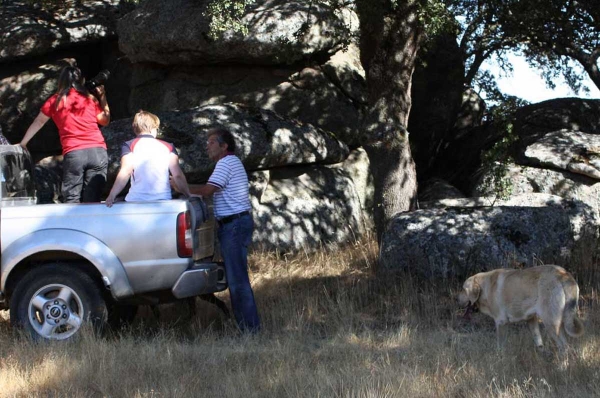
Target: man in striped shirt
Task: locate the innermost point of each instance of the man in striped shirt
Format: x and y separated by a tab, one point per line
229	186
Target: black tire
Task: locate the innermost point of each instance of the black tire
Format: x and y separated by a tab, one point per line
121	315
53	301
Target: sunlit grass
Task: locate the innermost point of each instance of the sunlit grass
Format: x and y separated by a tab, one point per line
332	327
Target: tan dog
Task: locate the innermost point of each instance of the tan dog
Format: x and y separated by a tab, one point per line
547	293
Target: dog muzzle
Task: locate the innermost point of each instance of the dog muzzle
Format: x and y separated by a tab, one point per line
469	310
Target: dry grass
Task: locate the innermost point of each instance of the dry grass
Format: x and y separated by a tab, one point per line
332	328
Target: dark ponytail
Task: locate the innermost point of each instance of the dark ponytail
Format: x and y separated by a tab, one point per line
70	77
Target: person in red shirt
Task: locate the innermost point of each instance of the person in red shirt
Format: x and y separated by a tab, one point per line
77	114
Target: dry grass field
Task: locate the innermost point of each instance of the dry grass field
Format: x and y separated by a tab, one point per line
333	327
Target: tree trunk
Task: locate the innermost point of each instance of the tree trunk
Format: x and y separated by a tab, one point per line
389	42
590	64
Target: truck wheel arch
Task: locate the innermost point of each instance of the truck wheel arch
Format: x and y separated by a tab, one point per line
75	243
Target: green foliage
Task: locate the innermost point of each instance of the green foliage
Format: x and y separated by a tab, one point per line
226	15
555	36
435	18
496	160
481	35
555	32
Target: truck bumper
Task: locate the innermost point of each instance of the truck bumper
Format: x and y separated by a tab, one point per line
202	278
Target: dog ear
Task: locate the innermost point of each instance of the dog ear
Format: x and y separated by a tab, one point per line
474	291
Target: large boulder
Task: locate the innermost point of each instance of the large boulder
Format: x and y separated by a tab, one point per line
278	32
264	139
574	151
455	241
357	166
470	114
436	189
21	97
575	114
295	59
329	96
30	29
558	152
436	97
524	180
460	157
304	208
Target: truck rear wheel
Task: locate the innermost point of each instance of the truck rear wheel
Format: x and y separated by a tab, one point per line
53	302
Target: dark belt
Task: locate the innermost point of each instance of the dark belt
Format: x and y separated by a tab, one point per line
228	219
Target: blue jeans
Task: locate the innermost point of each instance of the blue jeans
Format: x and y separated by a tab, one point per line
234	238
84	175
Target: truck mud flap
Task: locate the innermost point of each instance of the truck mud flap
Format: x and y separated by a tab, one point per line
203	278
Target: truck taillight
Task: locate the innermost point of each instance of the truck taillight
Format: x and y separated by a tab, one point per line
185	244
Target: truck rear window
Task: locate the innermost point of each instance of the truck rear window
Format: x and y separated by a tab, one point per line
16	174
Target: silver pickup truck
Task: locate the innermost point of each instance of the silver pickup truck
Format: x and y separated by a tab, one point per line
65	264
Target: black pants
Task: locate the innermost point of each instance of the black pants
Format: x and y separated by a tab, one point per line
84	175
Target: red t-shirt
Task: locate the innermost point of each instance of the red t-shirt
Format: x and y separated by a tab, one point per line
76	121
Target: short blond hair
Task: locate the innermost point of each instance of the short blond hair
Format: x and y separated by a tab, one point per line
144	122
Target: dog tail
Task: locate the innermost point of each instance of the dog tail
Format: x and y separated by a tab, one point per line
572	324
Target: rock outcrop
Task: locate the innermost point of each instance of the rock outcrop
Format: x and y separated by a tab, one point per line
329	96
574	151
534	121
278	32
558	152
552	215
265	139
305	208
29	29
456	238
295	60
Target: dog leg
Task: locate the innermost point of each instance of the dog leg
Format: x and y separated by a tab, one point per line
211	298
555	332
500	335
563	350
191	304
155	311
534	327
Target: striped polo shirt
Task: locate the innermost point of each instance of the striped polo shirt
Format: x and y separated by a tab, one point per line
231	179
150	177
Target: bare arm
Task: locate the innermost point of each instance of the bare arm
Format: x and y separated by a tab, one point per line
103	118
179	180
37	124
203	190
122	178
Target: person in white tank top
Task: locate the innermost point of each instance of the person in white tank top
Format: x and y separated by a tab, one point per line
147	161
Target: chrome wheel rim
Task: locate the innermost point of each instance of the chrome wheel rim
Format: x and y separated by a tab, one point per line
55	312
